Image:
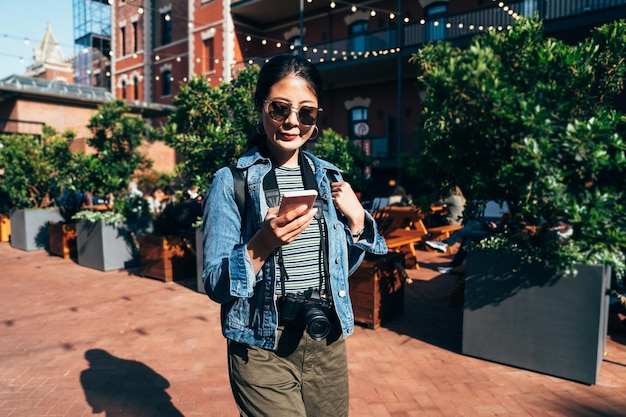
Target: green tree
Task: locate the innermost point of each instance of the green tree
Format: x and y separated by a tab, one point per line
34	167
117	137
527	119
340	151
211	124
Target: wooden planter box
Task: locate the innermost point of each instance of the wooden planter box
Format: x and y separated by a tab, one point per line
29	228
530	319
167	258
5	228
377	290
62	240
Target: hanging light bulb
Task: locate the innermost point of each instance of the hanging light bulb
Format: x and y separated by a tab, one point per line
392	16
353	9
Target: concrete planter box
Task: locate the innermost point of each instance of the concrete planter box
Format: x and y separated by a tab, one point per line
105	247
535	321
29	228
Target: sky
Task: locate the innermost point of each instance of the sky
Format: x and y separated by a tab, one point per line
22	26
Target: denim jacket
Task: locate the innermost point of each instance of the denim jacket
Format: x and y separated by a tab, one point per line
248	301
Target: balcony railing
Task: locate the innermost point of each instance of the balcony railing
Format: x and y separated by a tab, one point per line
451	27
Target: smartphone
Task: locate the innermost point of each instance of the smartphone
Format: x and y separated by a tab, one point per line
293	199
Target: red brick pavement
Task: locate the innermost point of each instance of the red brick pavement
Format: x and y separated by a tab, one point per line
152	344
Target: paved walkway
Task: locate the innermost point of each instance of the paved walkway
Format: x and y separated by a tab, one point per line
79	342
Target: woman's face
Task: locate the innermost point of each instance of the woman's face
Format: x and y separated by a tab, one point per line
285	137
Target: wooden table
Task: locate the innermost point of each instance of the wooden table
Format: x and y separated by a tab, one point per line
405	240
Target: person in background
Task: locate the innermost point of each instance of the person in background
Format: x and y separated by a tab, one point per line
451	208
282	280
193	193
156	201
133	190
399	197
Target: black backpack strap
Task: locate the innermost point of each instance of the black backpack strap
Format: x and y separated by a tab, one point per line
239	188
332	176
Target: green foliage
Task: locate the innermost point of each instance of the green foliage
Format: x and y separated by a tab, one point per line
211	124
117	137
340	151
109	217
527	119
34	168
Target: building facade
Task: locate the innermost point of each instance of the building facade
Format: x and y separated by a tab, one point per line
361	48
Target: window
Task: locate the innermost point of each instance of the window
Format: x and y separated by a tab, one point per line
435	17
166	28
135	37
529	7
123	89
357	115
358	31
208	63
136	87
123	39
166	83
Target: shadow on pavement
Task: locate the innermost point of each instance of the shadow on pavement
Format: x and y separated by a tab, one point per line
125	388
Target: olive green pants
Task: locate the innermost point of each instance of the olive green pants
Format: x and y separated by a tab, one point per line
302	378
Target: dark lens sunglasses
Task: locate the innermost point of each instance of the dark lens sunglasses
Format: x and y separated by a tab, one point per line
279	111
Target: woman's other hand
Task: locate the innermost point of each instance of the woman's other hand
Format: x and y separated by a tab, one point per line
348	203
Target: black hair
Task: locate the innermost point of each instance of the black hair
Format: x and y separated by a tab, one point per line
275	70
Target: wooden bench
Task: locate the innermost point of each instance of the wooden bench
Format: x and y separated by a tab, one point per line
443	232
404	241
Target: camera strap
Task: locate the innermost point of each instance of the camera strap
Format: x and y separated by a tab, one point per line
270	185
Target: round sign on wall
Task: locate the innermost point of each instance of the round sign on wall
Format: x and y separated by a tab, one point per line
361	129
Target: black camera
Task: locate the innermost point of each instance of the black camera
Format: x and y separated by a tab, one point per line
306	310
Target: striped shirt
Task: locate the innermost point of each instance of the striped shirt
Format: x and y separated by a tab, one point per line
303	258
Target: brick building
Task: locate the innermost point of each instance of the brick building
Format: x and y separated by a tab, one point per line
361	48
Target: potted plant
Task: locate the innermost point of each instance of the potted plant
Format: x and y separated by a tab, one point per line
71	181
499	122
106	239
30	167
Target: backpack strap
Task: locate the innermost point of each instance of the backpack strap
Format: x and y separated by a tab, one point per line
239	189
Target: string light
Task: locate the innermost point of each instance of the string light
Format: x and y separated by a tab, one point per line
323	57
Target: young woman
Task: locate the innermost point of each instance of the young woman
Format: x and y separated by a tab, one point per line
282	280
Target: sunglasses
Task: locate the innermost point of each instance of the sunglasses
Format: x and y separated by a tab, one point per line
279	111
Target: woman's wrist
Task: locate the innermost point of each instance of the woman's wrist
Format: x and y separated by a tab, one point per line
357	234
357	225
